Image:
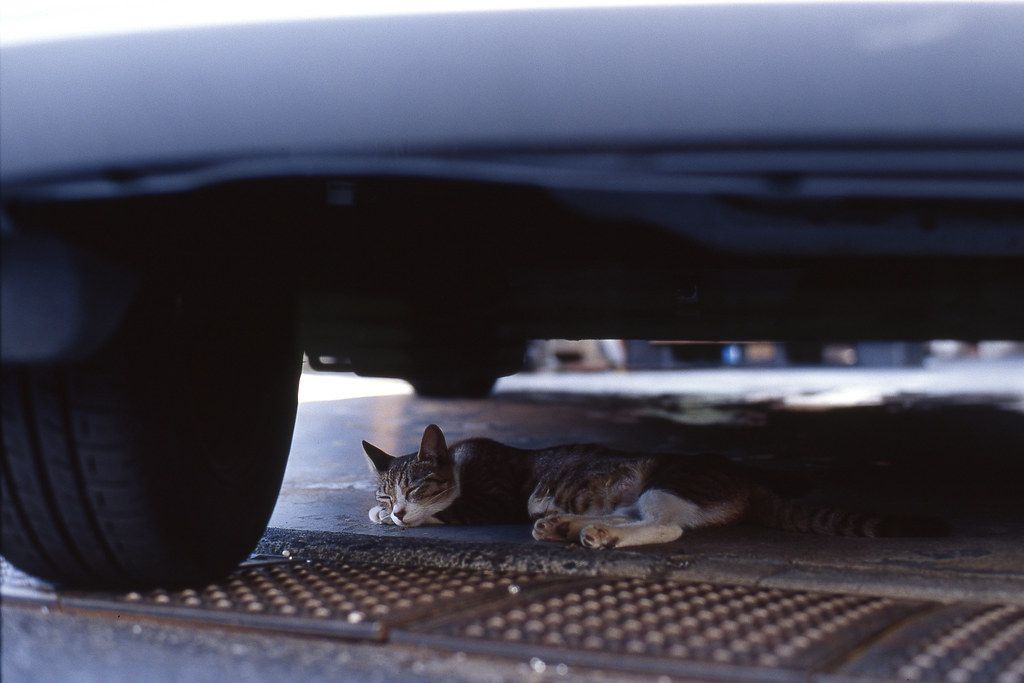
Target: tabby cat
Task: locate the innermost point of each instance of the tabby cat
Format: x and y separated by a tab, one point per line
597	496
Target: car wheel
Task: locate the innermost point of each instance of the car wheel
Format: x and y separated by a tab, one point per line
159	460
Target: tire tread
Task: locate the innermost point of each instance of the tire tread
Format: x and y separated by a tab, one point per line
104	477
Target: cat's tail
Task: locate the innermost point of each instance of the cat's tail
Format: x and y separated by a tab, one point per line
772	510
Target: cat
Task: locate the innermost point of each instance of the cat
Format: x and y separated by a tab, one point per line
596	496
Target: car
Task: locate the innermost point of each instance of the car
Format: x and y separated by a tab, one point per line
418	196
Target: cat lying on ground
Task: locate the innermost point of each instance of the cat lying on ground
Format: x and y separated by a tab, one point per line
597	496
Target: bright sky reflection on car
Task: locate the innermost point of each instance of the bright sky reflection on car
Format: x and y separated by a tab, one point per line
27	21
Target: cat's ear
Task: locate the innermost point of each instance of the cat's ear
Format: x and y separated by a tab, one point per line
432	446
379	460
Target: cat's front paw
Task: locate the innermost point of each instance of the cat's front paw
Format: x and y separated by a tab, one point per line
553	528
598	536
379	515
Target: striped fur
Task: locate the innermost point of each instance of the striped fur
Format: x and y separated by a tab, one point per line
597	496
771	510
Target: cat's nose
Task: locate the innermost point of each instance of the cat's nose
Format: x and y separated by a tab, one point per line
399	514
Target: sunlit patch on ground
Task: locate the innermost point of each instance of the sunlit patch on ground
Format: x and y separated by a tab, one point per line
796	387
336	387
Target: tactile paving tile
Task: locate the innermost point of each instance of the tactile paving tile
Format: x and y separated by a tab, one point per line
340	599
960	644
694	630
660	625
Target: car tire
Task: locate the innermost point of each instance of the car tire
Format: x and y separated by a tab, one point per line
158	461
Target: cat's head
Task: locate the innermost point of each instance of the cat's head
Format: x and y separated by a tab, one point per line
412	488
